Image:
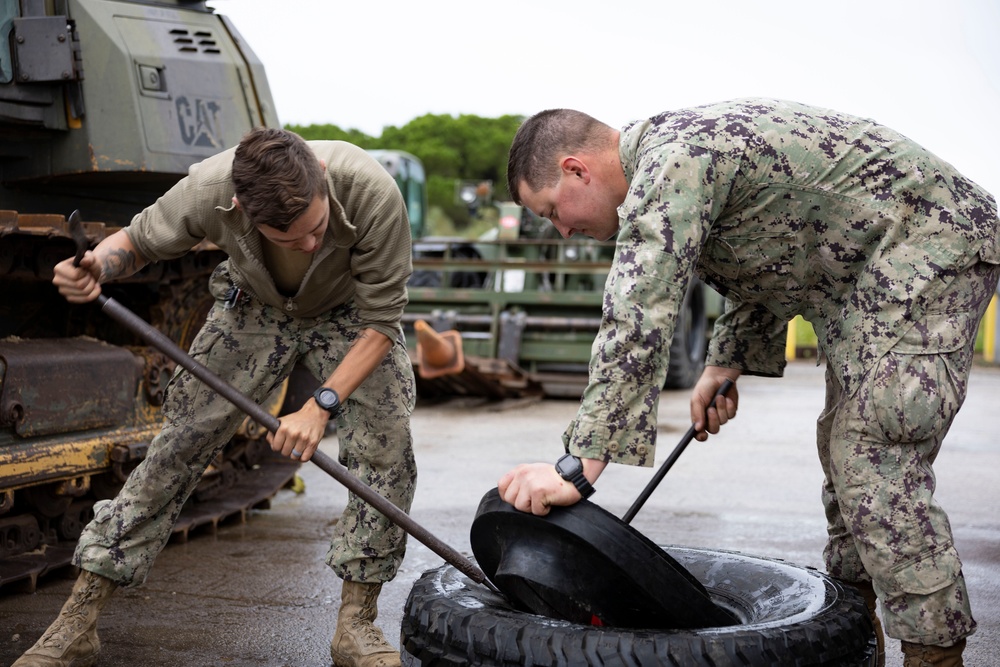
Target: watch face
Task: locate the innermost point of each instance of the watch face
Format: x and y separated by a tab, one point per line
568	465
326	398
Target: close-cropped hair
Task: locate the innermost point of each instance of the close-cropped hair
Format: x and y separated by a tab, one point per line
542	139
276	176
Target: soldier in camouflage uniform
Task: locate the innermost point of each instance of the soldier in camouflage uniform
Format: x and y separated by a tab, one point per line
319	254
786	210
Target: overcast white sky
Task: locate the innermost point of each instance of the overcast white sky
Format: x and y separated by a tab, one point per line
927	68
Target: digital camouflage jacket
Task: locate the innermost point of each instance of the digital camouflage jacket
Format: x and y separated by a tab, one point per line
786	210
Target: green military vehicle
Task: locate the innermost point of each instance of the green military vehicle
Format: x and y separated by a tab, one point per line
524	302
104	104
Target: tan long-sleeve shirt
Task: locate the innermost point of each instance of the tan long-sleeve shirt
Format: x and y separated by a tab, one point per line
366	252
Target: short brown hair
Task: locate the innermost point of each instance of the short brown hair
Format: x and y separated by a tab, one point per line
276	176
542	139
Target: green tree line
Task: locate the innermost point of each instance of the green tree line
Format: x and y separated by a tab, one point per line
466	147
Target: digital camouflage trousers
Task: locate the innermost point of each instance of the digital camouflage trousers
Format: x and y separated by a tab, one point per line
254	348
878	447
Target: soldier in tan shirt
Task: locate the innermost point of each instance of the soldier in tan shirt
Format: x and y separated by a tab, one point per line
319	254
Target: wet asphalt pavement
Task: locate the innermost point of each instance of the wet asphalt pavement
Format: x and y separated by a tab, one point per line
258	593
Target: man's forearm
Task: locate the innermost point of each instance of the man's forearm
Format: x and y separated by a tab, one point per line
366	353
118	257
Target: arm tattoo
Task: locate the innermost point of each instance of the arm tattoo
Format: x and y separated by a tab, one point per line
118	263
363	334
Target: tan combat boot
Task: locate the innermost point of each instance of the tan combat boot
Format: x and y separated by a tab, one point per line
357	642
917	655
71	640
868	593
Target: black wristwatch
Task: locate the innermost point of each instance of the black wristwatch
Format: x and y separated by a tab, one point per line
570	468
329	400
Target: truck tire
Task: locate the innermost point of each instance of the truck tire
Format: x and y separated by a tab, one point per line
690	341
790	615
457	279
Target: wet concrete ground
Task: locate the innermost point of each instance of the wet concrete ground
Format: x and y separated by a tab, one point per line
259	594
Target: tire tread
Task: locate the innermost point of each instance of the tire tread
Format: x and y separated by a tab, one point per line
441	629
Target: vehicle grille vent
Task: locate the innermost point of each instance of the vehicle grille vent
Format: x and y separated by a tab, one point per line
199	41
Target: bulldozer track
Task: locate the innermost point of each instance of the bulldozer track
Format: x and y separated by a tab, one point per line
254	490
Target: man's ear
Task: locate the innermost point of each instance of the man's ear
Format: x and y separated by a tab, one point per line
574	167
236	203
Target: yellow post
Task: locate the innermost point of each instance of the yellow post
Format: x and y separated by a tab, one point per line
791	339
990	331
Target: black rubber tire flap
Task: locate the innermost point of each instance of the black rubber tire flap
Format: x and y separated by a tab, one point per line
582	564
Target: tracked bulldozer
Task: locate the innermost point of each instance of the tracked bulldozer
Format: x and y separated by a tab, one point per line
105	104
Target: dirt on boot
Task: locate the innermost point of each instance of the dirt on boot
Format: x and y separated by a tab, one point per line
917	655
71	640
357	642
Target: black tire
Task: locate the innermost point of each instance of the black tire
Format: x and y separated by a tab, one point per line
690	341
467	279
457	279
791	616
425	279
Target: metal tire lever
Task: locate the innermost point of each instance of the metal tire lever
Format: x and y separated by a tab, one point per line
666	465
79	236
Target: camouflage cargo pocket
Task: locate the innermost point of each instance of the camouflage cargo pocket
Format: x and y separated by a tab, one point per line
920	384
102	512
928	572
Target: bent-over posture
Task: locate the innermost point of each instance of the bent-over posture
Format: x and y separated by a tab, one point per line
786	210
319	254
